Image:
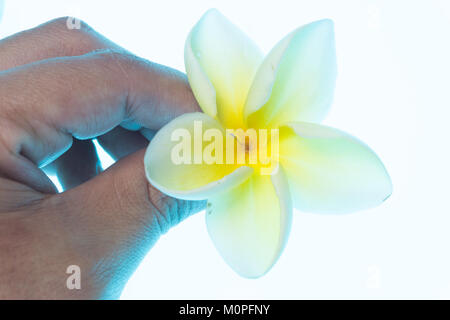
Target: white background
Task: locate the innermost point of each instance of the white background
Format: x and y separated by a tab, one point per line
392	92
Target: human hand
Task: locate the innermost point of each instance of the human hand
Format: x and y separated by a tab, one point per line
57	84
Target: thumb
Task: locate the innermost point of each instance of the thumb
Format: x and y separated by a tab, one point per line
118	211
123	199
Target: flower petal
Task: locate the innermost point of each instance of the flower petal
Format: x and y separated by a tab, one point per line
221	62
166	171
250	223
330	171
296	80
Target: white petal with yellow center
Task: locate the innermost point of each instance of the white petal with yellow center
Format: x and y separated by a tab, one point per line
330	171
296	80
221	62
181	140
250	223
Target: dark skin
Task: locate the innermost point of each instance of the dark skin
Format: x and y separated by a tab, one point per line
59	88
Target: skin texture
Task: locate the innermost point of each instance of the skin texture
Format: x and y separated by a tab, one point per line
59	88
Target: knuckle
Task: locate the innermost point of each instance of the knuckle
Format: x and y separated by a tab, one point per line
119	60
125	66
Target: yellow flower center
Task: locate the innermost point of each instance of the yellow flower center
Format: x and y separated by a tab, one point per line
255	148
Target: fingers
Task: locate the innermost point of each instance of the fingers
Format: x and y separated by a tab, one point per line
50	40
87	96
44	104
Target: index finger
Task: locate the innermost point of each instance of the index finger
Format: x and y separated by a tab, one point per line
44	104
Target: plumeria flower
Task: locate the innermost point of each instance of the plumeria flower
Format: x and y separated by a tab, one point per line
318	169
